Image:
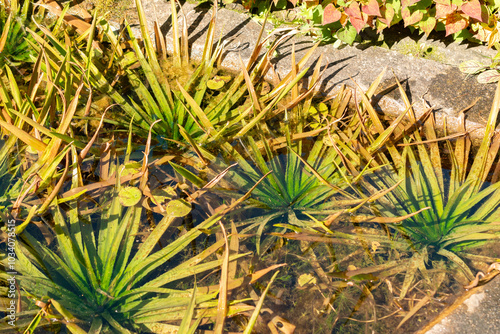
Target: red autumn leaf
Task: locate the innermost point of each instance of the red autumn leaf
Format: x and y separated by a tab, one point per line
353	10
444	10
371	8
331	14
443	2
473	9
409	18
358	24
454	23
294	2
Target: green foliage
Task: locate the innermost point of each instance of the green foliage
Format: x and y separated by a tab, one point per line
95	272
343	20
14	19
297	182
458	210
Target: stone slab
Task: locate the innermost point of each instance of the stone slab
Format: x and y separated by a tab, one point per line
476	312
427	82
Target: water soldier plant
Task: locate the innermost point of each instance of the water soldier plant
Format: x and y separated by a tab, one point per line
432	214
463	203
302	175
331	175
15	17
97	279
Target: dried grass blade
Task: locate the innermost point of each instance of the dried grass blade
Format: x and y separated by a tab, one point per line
208	127
258	44
290	75
478	171
258	307
414	310
315	172
148	44
435	140
384	136
56	189
222	303
161	46
24	136
175	35
186	320
373	87
209	41
234	246
250	86
247	194
5	33
86	149
385	220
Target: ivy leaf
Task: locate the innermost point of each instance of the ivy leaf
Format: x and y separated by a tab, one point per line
409	18
331	14
473	9
347	34
454	23
371	8
489	76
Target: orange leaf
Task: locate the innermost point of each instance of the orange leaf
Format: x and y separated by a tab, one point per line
353	10
387	15
331	14
454	23
473	9
427	25
443	2
371	8
444	10
358	24
406	3
410	19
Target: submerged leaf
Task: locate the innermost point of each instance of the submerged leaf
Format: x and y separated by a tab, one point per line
305	279
215	84
178	208
162	195
129	196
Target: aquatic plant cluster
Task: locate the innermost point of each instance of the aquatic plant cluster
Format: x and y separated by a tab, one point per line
145	187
